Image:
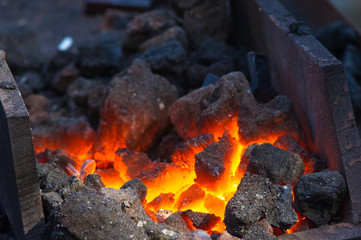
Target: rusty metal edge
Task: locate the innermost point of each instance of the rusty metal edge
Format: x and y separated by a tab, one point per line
313	79
20	191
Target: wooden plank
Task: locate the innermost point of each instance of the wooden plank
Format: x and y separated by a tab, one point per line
313	79
19	188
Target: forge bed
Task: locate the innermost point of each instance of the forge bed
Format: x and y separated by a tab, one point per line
300	68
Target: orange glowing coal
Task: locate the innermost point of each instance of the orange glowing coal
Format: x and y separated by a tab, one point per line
174	186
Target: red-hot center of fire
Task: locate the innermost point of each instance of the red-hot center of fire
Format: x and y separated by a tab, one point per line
184	182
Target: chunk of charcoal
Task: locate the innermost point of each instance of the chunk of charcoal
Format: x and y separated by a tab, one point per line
204	221
204	109
38	107
135	112
54	181
280	166
319	195
147	25
276	117
182	5
210	163
261	230
94	181
101	55
169	57
165	200
85	215
210	79
43	169
191	195
23	52
64	78
335	37
260	81
195	235
138	164
282	215
47	154
209	19
131	205
177	222
33	80
50	201
254	196
74	184
116	20
201	141
213	50
73	135
168	145
138	186
174	33
312	162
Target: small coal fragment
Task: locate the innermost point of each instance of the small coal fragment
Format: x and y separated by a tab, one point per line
94	181
272	118
312	162
50	200
255	195
282	215
189	196
167	58
260	80
280	166
204	109
138	186
335	37
162	214
178	222
226	236
147	25
319	195
202	141
195	235
174	33
100	56
74	135
209	19
204	221
209	165
85	215
261	231
135	112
